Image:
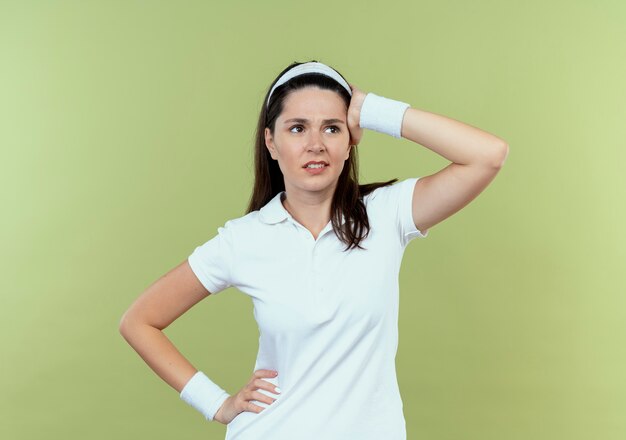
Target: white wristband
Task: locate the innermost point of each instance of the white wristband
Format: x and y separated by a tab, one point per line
204	395
383	115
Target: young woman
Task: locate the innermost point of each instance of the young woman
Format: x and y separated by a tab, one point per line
319	255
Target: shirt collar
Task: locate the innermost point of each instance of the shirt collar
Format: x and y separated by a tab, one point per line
275	212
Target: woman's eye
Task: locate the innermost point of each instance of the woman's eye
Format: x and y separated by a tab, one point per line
334	127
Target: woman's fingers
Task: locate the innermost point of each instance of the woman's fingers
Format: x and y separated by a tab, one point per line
251	407
265	373
258	382
242	401
256	395
261	383
354	113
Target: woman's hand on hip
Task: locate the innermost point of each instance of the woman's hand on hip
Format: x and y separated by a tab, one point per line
240	402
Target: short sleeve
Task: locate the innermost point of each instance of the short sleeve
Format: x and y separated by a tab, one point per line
395	204
211	262
405	223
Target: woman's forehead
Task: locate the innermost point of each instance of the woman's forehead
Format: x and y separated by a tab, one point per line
313	101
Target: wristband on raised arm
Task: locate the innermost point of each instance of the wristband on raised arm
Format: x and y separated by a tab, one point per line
382	114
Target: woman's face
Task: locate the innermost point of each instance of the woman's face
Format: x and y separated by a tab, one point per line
318	133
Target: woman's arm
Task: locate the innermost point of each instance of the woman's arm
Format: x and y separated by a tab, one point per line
476	156
162	303
456	141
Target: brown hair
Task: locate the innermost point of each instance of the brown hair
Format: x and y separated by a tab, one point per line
269	180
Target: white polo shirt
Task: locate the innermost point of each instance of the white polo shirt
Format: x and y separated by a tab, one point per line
328	319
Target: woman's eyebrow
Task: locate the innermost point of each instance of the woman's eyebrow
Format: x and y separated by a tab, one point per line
306	121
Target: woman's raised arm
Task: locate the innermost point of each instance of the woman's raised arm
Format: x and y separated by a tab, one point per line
476	157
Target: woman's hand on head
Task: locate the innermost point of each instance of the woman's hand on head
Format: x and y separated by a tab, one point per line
240	402
354	114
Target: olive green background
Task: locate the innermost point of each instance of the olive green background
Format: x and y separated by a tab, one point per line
126	132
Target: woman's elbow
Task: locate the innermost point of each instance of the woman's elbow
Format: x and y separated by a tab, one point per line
127	322
501	155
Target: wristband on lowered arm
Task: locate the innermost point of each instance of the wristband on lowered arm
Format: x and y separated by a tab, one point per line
382	114
204	395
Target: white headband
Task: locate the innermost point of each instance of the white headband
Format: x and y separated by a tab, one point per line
310	67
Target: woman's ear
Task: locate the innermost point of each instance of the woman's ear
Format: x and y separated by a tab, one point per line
269	141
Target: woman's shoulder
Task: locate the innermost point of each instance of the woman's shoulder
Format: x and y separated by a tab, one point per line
390	196
244	221
375	190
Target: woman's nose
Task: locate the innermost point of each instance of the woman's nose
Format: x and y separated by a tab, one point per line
315	141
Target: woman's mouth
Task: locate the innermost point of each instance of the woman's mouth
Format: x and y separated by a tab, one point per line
315	168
